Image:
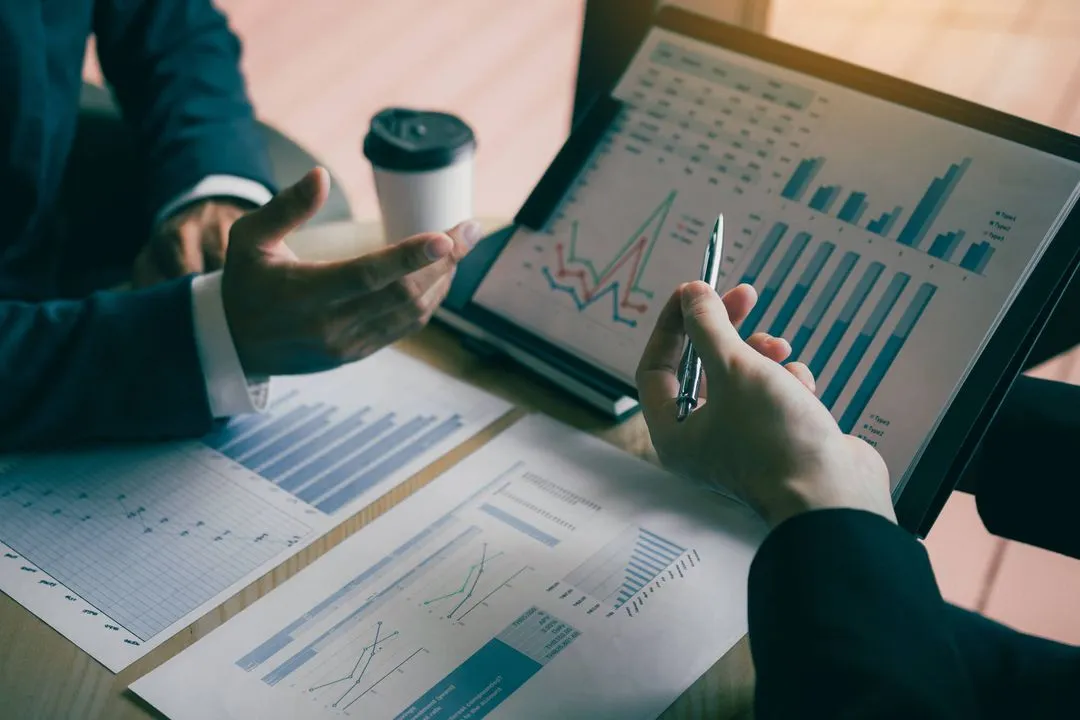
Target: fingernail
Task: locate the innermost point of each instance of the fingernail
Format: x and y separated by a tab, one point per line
437	247
691	291
470	232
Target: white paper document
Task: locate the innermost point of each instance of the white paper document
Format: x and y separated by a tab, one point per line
120	548
547	575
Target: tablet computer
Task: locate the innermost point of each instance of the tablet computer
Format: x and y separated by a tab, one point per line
909	244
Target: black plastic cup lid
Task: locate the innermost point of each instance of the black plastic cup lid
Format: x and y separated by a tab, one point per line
417	140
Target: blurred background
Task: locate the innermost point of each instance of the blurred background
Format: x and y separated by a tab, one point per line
319	70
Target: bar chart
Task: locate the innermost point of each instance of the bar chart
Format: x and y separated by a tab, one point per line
330	450
913	232
624	566
831	291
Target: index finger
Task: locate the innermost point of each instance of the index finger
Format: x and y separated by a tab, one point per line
373	271
656	379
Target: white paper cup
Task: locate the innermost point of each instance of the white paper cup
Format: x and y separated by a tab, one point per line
422	162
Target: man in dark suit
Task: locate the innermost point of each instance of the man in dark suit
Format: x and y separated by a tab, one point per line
846	620
168	358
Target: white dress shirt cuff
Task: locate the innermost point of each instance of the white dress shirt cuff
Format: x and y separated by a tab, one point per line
228	390
218	186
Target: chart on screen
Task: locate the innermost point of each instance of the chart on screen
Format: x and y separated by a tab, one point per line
120	548
500	585
862	225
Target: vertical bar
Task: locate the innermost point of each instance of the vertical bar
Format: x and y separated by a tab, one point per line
807	279
764	252
858	348
888	226
875	226
931	204
840	325
973	256
338	453
779	275
817	311
307	450
804	174
371	454
953	244
392	464
852	207
824	197
940	244
884	361
987	252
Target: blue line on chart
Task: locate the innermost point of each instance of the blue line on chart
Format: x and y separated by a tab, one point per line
612	289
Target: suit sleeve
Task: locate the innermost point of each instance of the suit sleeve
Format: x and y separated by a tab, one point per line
113	366
1023	475
846	621
174	66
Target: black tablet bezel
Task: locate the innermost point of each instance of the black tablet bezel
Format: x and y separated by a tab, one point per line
972	409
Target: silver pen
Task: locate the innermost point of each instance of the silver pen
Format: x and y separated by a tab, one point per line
690	366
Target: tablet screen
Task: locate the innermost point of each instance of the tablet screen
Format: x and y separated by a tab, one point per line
885	243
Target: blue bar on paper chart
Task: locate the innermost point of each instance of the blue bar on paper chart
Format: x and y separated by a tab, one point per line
823	303
366	457
804	174
853	208
520	525
806	280
987	252
358	486
779	275
824	197
651	554
764	252
884	360
284	443
306	450
225	434
268	432
945	245
304	474
931	204
494	672
862	341
840	326
294	663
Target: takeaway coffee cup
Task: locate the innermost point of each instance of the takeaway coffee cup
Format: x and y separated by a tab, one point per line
423	166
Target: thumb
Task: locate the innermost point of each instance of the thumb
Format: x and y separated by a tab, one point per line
709	327
265	228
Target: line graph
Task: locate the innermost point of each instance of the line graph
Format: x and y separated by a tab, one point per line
578	276
145	536
468	585
363	662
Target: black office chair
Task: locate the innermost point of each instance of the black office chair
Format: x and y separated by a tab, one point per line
289	160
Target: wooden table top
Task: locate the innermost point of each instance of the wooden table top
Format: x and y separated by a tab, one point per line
43	675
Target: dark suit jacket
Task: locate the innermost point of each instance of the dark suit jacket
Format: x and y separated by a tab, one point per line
121	366
846	621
